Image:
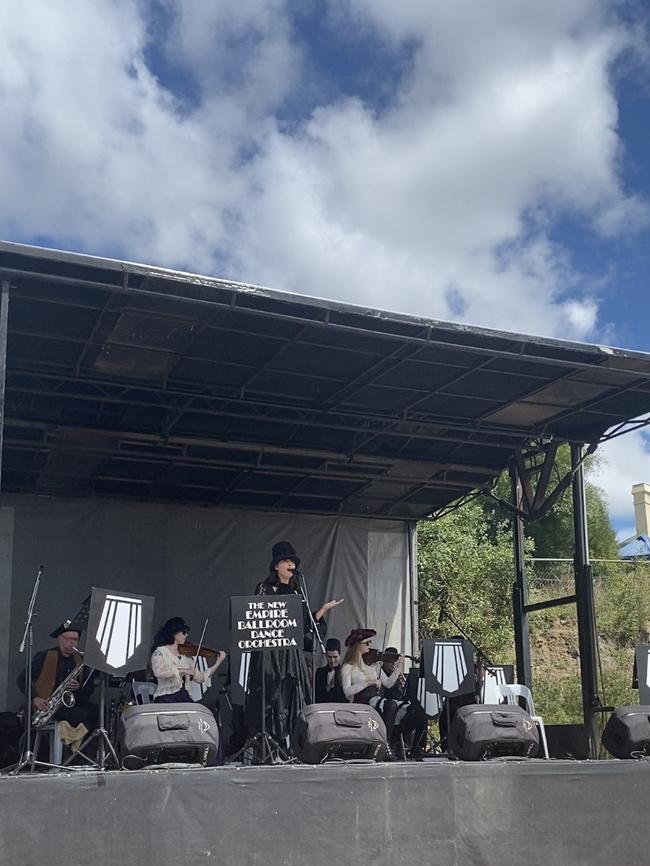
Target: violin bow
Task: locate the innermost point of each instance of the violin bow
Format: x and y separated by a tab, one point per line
383	643
200	644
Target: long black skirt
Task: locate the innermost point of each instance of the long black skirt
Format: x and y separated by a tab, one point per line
287	691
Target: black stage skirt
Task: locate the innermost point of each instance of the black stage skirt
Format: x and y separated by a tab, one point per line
182	696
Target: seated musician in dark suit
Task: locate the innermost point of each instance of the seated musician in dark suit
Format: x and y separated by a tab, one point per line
410	719
50	668
328	678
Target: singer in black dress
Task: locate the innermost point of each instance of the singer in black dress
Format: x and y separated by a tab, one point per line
286	676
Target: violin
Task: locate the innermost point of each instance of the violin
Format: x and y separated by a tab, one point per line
192	649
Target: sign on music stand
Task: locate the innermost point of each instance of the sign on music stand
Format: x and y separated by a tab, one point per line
448	667
117	643
446	672
493	677
119	631
260	623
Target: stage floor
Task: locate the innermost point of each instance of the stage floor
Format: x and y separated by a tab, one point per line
521	813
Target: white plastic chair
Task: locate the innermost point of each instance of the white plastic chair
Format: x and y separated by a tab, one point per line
512	693
143	692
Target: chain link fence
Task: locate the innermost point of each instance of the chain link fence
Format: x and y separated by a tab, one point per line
622	602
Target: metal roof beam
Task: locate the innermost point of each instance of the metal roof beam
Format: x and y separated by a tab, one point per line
325	318
437	430
186	461
133	437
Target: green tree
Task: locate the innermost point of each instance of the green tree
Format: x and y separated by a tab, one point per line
552	535
468	566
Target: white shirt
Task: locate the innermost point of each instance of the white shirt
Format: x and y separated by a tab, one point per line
167	668
355	679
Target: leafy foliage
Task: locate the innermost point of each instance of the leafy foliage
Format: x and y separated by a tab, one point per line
623	603
471	573
465	562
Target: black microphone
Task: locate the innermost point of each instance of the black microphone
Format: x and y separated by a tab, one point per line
442	616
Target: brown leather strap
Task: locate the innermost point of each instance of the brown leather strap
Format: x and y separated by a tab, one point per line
46	680
44	685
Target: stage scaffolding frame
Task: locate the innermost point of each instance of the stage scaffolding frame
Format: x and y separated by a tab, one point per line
583	598
129	381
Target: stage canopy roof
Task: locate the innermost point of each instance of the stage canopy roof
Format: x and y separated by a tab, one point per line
133	381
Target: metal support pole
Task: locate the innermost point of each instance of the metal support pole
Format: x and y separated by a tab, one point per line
584	600
413	587
4	321
520	587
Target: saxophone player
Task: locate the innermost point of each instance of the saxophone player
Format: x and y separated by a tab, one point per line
50	668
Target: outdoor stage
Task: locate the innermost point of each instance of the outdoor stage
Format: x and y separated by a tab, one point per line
529	812
160	431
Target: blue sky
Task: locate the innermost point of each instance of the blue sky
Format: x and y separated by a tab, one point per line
480	162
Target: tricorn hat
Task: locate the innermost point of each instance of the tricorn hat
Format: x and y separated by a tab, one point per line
67	625
333	644
359	634
283	550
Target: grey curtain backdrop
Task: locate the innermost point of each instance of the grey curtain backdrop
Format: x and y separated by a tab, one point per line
192	559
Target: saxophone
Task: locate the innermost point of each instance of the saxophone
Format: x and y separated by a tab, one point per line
61	695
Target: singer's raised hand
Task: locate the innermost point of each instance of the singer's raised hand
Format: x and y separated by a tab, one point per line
328	606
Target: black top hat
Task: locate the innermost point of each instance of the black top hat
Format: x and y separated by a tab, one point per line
359	634
390	654
283	550
333	644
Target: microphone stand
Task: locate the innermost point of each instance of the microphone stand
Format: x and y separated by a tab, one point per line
314	631
28	758
444	614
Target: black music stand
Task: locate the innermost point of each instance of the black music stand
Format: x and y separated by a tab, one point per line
117	643
448	668
245	610
641	675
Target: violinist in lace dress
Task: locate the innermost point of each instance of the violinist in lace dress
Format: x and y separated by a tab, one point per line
365	683
172	669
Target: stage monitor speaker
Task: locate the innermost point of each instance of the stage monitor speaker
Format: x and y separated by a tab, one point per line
481	731
339	732
167	733
627	733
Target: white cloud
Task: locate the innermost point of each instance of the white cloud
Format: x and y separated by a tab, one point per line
439	204
237	51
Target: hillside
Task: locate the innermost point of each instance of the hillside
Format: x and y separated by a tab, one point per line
466	566
622	614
